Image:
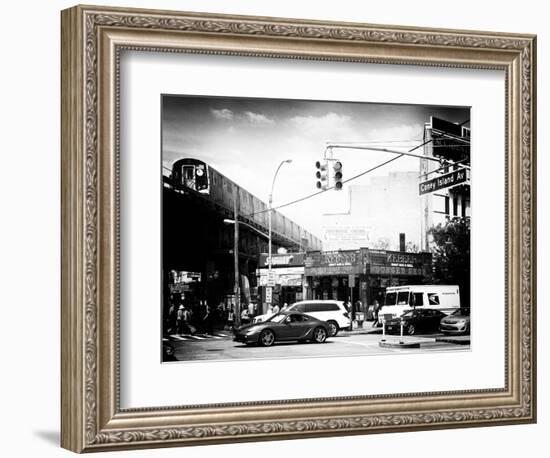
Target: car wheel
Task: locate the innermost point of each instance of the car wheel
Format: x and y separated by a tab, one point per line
319	335
332	328
410	329
267	338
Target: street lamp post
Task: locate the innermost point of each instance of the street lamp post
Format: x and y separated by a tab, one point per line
270	211
236	223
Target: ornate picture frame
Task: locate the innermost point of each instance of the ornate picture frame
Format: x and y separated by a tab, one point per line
92	41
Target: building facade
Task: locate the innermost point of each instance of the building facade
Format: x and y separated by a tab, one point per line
378	213
448	142
362	274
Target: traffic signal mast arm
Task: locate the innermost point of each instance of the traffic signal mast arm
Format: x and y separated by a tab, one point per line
387	150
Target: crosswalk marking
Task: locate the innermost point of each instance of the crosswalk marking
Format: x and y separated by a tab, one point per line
184	337
176	337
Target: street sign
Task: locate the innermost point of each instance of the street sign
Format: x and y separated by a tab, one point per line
351	281
270	278
443	181
268	295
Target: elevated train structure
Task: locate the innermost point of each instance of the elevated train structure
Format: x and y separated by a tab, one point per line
195	176
196	200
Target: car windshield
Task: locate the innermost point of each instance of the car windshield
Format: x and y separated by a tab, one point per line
462	312
403	298
390	298
279	318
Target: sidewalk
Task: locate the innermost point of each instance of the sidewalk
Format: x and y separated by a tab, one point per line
365	329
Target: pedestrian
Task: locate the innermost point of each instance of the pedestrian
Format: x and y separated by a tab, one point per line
358	306
269	310
285	306
208	320
375	313
244	316
276	309
231	317
187	327
179	320
171	325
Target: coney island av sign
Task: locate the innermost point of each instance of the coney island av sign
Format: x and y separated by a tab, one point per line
443	181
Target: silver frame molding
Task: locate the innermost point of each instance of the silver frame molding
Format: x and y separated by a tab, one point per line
92	39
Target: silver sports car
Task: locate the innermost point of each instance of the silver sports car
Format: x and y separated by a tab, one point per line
284	326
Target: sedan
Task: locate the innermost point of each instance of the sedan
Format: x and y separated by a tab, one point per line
284	326
415	321
456	323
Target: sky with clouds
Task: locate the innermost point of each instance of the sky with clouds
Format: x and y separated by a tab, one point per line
245	139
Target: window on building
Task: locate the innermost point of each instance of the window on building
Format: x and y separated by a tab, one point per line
455	206
447	207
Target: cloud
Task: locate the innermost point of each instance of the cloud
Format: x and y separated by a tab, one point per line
257	118
224	113
330	126
332	119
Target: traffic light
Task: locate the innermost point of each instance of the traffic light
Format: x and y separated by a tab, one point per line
337	167
321	174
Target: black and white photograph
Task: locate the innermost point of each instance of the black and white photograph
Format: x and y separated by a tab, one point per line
303	228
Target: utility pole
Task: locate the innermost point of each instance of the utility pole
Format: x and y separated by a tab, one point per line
236	288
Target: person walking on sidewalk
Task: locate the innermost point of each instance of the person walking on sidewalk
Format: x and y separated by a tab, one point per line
375	313
180	320
231	317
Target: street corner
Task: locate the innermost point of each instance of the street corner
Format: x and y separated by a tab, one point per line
405	342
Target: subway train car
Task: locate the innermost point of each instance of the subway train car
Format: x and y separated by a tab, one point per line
198	176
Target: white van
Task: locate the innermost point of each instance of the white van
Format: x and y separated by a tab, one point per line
399	299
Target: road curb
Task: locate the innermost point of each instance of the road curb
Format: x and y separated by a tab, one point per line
454	340
400	344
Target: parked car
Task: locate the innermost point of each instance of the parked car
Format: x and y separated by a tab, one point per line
457	323
334	313
416	321
284	326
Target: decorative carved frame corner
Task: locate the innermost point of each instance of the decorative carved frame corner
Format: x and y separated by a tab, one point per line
92	40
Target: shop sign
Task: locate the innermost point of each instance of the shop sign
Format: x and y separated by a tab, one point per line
285	276
279	259
333	258
395	270
395	259
333	270
402	259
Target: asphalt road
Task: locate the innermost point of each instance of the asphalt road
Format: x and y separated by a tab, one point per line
224	348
